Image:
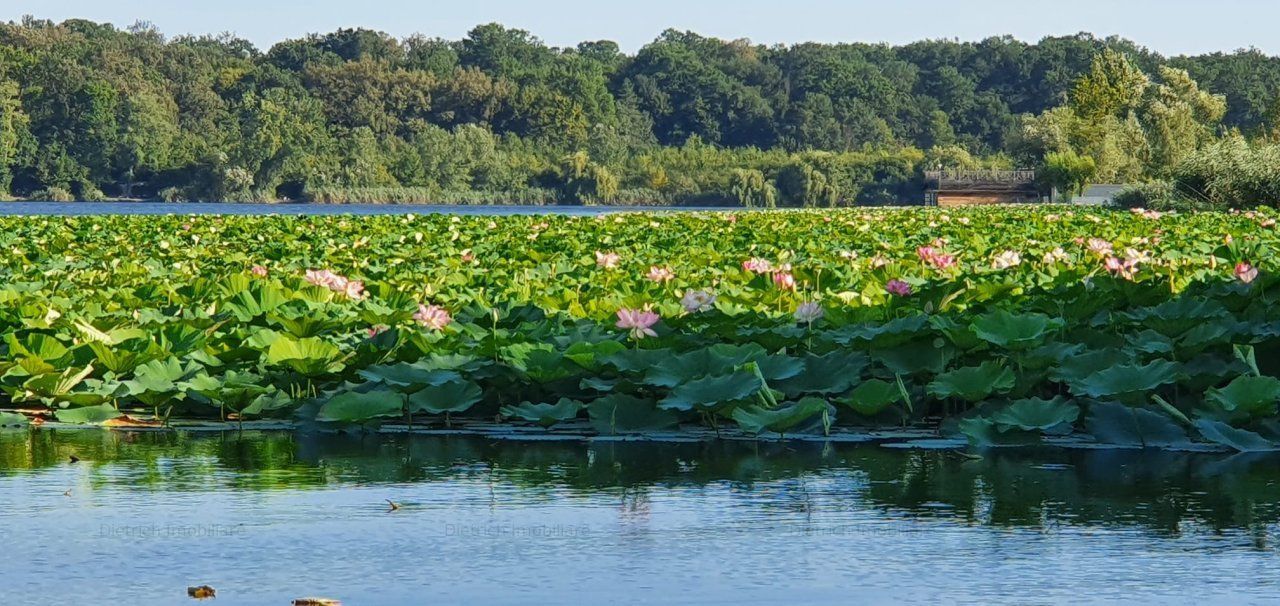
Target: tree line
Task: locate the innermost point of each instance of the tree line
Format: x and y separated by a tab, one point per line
89	111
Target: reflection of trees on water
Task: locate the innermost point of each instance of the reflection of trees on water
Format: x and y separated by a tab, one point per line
1164	491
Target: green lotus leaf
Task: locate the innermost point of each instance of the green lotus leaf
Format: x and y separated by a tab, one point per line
1238	439
590	356
915	357
230	389
88	415
451	397
309	357
778	367
757	419
1126	379
1034	414
1084	365
255	301
708	392
40	346
884	335
1150	341
872	397
353	406
671	371
13	419
267	403
833	373
1248	395
1176	316
159	376
407	377
973	383
539	362
637	360
1115	423
545	415
620	413
985	433
1015	331
53	387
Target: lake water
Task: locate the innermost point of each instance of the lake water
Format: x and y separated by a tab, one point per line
268	517
229	208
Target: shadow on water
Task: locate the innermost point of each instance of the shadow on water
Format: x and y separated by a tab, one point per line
1159	491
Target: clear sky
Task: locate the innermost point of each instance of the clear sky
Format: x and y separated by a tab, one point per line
1167	26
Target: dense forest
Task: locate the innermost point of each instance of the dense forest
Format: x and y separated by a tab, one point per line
89	111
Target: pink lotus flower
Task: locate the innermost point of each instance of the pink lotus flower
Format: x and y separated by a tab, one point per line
638	321
784	280
1126	268
731	218
321	277
259	271
1099	247
935	258
898	287
467	256
808	312
433	317
756	265
376	330
1246	273
660	274
695	301
607	260
354	289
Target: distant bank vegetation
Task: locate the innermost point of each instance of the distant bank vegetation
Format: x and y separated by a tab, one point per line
89	111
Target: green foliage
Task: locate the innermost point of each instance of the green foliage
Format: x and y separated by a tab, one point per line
242	318
499	116
1068	172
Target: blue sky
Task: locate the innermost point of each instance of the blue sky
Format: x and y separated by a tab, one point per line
1167	26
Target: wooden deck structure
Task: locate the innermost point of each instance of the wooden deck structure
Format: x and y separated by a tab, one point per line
974	187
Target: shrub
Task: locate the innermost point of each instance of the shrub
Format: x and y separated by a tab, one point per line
1230	174
1146	195
173	194
53	194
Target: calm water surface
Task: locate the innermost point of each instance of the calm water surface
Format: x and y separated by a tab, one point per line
226	208
268	517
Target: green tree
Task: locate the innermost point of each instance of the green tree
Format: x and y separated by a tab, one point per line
1068	172
14	135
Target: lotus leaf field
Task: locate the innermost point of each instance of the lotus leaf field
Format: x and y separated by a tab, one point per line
1004	325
